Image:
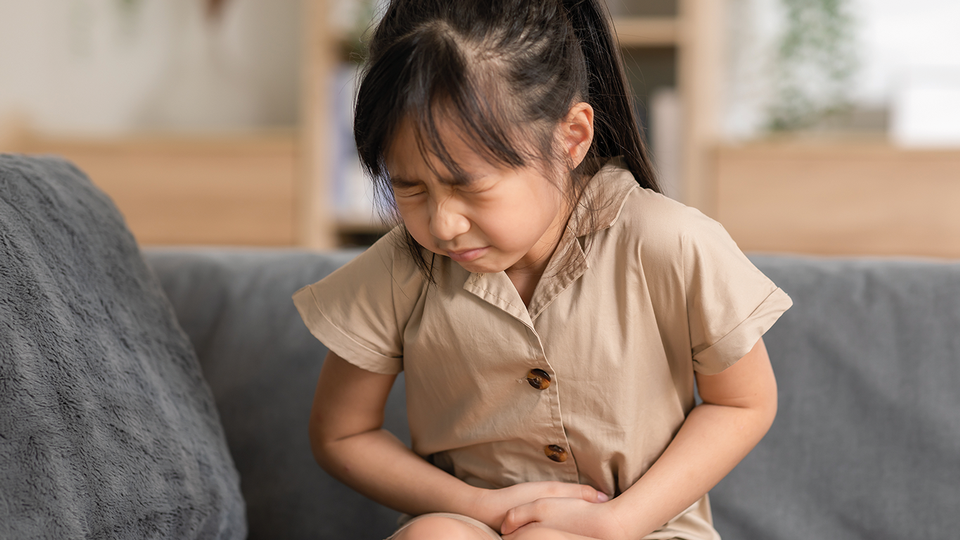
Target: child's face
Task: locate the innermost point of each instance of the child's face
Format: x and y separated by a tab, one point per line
502	219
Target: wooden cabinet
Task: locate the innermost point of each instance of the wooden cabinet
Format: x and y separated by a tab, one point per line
839	197
240	189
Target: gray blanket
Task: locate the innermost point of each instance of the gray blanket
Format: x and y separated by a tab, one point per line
107	428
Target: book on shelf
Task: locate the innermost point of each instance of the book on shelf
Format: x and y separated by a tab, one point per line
352	192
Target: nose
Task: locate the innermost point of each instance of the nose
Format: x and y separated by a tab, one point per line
447	219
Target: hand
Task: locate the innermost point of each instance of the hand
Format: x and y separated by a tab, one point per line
570	515
494	504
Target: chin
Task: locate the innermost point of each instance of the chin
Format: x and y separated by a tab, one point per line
477	268
481	267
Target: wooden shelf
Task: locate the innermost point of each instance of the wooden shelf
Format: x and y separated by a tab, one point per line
236	189
275	188
648	31
840	197
358	226
696	34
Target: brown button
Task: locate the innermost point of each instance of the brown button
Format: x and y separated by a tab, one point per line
556	453
538	379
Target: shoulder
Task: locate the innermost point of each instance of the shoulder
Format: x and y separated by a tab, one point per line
659	225
667	238
647	226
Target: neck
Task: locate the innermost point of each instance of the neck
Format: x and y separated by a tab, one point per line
526	274
525	280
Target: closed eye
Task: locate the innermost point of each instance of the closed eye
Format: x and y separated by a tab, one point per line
406	188
477	187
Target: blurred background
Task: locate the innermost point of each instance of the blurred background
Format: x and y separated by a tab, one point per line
827	127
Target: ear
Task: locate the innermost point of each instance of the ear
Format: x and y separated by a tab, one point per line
576	133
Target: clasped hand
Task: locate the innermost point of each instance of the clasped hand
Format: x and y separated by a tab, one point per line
572	508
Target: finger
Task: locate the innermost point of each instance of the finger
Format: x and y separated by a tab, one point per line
516	518
591	495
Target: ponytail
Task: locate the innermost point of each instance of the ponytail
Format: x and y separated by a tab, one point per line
616	127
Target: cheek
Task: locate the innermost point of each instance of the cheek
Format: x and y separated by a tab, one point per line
544	202
515	222
409	208
415	220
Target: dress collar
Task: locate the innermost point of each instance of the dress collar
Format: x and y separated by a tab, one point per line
603	198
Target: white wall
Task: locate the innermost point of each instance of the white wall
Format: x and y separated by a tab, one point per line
895	38
113	66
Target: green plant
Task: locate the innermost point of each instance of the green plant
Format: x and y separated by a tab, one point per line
213	7
365	15
816	63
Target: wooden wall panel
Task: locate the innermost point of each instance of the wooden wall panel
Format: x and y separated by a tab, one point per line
864	198
236	190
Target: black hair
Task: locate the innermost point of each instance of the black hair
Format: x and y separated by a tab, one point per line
491	66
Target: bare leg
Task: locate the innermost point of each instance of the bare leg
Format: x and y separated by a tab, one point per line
442	527
543	533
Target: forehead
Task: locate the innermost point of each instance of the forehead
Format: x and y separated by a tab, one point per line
412	155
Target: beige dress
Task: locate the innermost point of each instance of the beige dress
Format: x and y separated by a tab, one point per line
617	333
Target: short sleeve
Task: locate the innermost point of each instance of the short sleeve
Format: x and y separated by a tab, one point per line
361	309
730	303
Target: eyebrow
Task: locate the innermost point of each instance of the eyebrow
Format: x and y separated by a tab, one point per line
455	180
399	182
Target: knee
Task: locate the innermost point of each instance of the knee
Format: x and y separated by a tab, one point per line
438	528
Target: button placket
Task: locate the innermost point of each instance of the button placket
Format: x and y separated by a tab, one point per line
496	290
555	447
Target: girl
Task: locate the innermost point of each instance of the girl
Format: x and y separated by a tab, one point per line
551	310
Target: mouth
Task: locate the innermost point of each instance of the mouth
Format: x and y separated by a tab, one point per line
466	255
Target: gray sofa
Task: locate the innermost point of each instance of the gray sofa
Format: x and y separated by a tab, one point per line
866	444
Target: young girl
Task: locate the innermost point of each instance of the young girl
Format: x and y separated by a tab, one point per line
550	309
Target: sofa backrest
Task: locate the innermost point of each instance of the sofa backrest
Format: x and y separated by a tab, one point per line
262	365
866	443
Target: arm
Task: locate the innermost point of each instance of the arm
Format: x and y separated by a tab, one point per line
348	442
738	407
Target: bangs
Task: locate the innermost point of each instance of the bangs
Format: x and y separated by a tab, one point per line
480	129
426	77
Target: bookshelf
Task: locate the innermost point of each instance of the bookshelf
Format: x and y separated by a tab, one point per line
666	43
842	195
275	188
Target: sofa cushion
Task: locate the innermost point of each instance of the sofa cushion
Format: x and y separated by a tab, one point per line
107	428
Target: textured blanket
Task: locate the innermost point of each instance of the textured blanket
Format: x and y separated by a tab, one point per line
107	428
